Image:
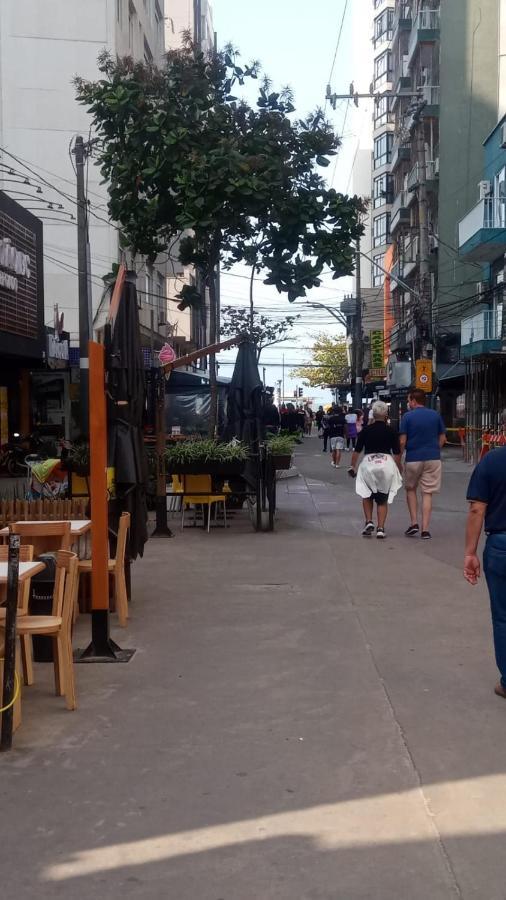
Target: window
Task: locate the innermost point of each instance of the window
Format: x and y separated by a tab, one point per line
131	22
383	27
383	111
119	10
160	299
382	190
383	69
378	275
383	149
381	230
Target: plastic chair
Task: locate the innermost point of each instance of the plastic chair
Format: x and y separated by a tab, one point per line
116	569
58	625
204	497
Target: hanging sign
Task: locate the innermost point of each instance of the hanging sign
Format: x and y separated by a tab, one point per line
424	375
377	349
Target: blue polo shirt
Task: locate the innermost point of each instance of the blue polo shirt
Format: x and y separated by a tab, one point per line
488	484
422	428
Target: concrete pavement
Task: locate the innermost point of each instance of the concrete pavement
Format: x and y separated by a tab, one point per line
309	716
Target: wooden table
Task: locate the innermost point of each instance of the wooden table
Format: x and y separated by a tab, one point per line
26	570
78	527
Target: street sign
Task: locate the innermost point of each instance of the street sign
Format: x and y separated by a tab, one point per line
424	375
377	349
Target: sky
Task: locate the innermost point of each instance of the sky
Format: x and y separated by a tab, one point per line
295	42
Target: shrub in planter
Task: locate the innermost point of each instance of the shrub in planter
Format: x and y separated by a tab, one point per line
206	457
78	459
281	450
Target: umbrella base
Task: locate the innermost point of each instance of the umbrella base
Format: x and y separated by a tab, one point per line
161	529
102	648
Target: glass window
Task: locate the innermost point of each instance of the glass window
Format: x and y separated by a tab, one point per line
383	111
383	27
378	276
381	230
382	190
383	69
383	149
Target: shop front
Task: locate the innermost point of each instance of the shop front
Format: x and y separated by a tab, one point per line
50	389
22	338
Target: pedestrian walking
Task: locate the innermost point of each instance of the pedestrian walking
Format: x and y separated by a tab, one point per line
351	429
336	428
422	435
379	475
319	414
487	506
325	428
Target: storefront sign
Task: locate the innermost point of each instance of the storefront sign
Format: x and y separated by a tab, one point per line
379	374
377	349
21	281
57	349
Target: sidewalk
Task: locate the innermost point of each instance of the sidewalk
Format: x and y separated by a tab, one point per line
309	716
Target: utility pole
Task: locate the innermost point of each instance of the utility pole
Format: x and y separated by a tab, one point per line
358	337
84	280
283	377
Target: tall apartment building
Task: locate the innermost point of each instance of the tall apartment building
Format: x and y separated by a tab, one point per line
445	68
42	48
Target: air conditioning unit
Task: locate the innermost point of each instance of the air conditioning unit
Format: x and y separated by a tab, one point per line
503	135
484	189
436	166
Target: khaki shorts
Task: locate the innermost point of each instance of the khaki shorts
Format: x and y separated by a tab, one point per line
425	474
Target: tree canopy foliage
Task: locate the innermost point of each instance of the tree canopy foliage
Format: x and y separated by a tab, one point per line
328	364
265	331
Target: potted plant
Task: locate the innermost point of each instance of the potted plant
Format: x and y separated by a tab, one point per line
78	459
281	450
206	457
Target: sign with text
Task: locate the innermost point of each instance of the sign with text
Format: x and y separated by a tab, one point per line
377	349
21	281
424	375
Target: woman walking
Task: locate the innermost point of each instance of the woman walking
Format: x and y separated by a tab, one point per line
379	475
351	429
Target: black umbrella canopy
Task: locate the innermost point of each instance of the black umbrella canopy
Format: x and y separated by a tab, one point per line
244	406
126	389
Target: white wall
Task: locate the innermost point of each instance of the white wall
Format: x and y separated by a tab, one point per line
42	47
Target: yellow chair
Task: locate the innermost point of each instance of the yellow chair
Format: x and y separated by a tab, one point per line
203	496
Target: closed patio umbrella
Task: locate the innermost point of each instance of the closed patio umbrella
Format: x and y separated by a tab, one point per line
126	390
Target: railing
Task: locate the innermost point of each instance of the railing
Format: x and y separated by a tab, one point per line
431	93
488	213
413	179
426	20
398	149
400	202
484	326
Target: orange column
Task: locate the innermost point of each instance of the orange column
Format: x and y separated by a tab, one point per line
98	479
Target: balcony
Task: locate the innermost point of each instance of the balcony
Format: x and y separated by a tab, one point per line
431	94
400	153
481	333
431	176
399	214
482	233
402	81
402	19
425	31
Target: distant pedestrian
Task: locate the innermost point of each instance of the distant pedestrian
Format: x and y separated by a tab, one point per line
319	414
336	428
423	435
379	474
487	497
351	429
271	418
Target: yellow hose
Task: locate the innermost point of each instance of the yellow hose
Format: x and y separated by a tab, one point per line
16	692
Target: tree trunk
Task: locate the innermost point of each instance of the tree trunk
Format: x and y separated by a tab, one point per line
214	258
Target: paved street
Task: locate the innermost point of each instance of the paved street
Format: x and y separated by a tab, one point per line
309	716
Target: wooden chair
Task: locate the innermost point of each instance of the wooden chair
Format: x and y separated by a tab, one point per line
204	497
59	625
116	569
25	555
46	537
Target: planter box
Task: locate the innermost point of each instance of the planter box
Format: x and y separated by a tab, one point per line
281	462
213	467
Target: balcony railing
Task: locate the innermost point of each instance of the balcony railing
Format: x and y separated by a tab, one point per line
431	93
488	213
399	151
484	326
431	172
427	20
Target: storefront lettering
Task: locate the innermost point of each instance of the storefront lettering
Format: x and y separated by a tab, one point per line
57	349
15	261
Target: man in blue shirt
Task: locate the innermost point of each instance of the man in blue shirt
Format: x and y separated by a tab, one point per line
422	434
487	498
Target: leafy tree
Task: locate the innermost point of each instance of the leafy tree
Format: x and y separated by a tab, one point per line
265	332
182	154
329	363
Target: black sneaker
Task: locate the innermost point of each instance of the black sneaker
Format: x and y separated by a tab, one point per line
425	535
412	530
368	530
380	533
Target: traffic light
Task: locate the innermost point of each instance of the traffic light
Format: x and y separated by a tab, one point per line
301	392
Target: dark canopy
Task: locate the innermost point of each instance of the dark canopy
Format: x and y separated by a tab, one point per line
126	389
244	405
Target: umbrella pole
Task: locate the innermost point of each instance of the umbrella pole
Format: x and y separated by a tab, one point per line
101	647
162	529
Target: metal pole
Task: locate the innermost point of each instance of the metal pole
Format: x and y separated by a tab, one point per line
283	378
358	336
263	373
84	284
9	652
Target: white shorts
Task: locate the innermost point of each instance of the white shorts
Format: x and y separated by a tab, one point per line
337	443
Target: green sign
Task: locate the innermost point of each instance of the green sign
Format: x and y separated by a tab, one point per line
377	349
